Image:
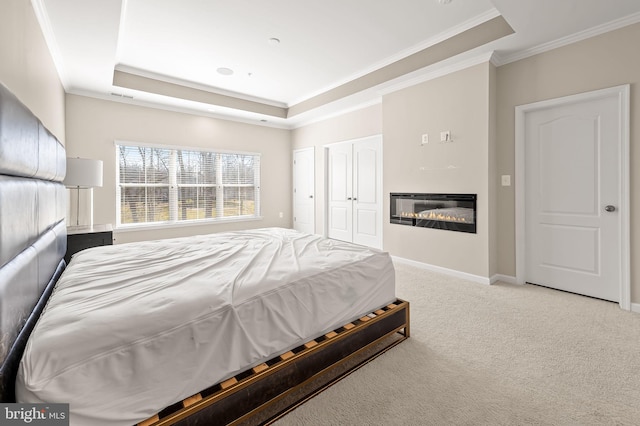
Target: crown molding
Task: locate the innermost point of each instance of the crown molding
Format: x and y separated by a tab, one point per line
337	112
570	39
232	116
374	95
193	85
47	32
436	71
443	36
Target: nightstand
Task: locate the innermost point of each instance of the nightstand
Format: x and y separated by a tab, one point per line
84	237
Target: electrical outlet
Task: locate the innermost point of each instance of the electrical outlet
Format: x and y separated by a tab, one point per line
506	180
425	139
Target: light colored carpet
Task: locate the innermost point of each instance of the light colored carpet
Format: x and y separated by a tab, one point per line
493	355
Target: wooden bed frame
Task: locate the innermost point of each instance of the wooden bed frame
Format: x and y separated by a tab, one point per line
32	249
253	396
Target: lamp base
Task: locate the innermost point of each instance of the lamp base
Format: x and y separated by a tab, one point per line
84	215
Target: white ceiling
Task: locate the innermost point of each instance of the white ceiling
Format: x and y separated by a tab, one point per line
323	44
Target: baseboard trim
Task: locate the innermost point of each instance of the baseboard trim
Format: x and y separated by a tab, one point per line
445	271
635	307
503	278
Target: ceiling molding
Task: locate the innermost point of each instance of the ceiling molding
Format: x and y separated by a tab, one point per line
185	110
337	112
167	79
467	25
486	28
49	37
479	35
485	32
564	41
374	96
150	85
432	73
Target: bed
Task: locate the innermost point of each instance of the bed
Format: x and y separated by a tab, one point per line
127	334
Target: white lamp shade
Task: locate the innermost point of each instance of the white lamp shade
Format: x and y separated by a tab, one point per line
83	173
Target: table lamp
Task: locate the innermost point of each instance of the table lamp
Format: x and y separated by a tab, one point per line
83	173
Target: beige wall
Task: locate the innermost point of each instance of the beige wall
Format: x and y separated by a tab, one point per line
93	125
458	102
599	62
354	125
26	66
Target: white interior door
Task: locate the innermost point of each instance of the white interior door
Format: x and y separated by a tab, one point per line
304	217
573	195
367	184
340	194
354	181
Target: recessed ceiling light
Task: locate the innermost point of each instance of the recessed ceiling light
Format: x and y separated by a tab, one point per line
274	41
225	71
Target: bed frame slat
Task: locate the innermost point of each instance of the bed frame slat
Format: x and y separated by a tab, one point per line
310	344
150	421
260	368
285	356
191	400
228	383
331	335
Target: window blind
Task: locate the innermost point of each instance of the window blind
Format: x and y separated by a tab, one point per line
172	185
238	181
144	184
196	185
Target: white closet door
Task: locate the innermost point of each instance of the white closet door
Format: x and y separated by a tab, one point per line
354	209
340	202
367	194
303	190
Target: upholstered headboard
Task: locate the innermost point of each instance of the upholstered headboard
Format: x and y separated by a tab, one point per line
32	229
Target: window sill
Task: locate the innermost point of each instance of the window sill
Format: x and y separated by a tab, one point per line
182	224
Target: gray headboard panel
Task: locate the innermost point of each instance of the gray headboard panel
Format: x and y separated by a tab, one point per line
32	230
27	148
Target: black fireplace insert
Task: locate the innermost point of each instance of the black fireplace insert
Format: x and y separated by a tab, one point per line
453	212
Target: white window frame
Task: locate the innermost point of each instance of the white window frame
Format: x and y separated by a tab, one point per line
173	185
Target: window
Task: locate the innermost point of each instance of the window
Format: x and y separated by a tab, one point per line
164	185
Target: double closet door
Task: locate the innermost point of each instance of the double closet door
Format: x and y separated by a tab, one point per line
354	208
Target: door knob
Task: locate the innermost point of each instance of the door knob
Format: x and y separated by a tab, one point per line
610	208
310	196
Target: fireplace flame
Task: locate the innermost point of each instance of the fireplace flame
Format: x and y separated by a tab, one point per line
433	215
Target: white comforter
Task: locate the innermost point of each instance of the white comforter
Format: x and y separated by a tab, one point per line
133	328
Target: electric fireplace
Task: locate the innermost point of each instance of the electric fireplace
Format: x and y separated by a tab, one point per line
453	212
